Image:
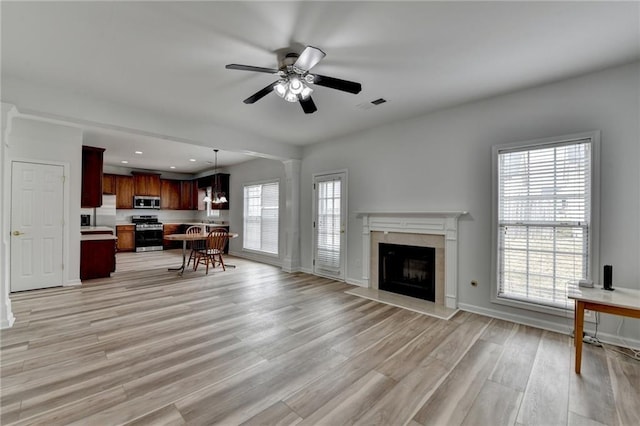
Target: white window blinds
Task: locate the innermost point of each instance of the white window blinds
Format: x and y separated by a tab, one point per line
544	215
328	225
261	217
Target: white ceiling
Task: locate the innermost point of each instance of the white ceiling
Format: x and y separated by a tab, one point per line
157	154
168	59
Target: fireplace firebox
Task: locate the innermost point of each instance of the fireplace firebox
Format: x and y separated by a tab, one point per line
408	270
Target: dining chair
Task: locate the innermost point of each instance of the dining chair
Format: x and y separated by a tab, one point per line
194	245
214	248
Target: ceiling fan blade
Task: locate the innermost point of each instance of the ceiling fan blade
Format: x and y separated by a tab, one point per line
260	93
338	84
308	106
251	68
309	58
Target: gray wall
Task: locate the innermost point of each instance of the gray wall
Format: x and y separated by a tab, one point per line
254	171
52	143
442	161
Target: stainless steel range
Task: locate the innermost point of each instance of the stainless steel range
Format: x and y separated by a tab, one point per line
148	233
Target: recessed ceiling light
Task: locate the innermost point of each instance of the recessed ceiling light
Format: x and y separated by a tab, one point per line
172	167
192	159
124	162
138	152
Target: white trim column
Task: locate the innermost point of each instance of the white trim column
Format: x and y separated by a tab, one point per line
366	247
6	314
291	260
451	261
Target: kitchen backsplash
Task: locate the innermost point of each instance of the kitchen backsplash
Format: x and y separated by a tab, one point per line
169	216
87	211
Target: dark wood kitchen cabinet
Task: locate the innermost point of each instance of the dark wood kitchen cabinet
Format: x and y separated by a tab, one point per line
126	237
97	257
124	192
91	176
109	184
186	195
147	184
168	229
170	194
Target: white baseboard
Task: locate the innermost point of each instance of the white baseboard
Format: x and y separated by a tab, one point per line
257	258
352	281
355	281
290	266
7	322
72	283
566	327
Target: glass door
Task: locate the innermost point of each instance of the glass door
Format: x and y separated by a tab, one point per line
329	225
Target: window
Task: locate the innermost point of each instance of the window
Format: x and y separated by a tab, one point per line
261	217
544	223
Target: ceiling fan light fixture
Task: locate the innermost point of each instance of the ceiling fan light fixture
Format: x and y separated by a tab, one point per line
306	92
295	85
291	88
294	79
291	97
280	88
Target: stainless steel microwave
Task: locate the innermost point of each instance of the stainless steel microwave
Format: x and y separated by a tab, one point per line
143	202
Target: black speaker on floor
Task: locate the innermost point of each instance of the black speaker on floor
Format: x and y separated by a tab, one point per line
608	277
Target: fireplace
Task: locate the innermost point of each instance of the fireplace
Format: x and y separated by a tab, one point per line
436	230
408	270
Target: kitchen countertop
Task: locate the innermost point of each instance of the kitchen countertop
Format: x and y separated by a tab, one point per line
210	225
173	222
96	229
97	237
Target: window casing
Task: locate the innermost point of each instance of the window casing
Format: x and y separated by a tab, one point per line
545	219
329	225
261	217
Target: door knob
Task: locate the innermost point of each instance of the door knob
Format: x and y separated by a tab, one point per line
16	233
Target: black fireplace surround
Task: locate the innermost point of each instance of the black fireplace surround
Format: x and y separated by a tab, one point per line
408	270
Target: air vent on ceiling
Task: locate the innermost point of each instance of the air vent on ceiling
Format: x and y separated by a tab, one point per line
369	105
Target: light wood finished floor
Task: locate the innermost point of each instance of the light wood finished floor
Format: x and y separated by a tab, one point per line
255	345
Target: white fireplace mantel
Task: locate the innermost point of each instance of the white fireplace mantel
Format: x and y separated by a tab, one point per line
413	222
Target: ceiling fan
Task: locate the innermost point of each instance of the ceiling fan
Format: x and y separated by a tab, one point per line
293	84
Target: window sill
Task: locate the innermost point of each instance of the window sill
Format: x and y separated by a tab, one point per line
261	253
531	306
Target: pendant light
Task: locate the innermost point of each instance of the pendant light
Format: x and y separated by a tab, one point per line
217	196
207	196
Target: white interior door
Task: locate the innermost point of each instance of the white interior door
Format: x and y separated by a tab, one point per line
37	213
329	225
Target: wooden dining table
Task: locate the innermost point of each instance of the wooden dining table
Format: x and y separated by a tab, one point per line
190	237
620	301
